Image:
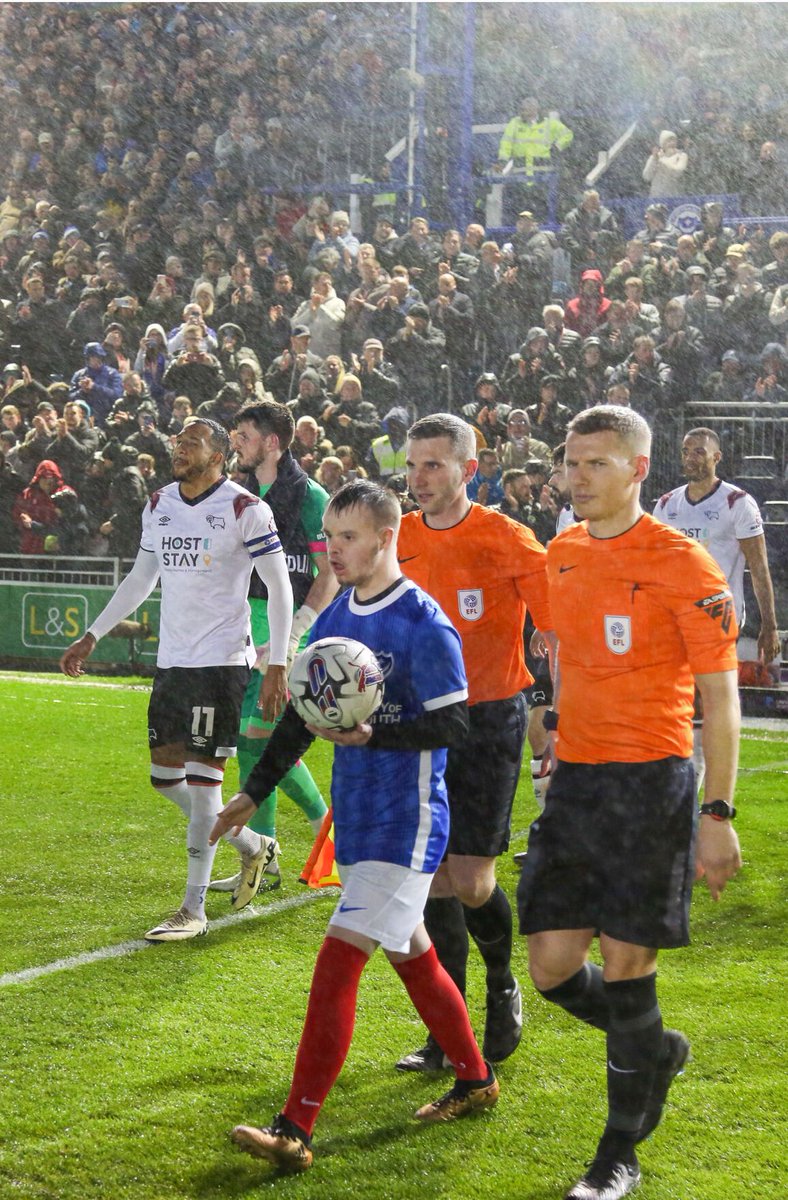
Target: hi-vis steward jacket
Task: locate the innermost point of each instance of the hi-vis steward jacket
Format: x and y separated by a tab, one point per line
530	143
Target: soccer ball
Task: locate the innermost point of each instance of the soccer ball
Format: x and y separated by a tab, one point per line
336	683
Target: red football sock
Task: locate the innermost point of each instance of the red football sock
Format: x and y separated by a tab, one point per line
438	1002
328	1030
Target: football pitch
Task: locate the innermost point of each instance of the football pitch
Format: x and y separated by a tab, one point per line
123	1066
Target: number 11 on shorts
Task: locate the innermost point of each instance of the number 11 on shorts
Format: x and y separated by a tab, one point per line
198	713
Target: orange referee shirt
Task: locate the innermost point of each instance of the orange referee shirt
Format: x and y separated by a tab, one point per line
482	572
637	616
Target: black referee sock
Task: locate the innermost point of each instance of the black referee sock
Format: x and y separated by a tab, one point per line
634	1042
583	995
445	923
490	926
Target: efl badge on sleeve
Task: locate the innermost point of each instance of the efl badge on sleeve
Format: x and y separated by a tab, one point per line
618	634
470	602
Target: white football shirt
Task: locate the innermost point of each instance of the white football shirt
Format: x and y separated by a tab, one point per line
718	521
205	549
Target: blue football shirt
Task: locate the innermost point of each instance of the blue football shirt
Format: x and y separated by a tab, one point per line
391	805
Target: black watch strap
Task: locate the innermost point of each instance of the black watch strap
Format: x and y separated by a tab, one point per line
720	810
550	720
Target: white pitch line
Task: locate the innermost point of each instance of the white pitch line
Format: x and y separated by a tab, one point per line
125	948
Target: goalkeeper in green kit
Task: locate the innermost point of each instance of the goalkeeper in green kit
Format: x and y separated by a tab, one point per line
261	438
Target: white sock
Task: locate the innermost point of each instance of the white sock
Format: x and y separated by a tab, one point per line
205	791
247	842
317	824
171	782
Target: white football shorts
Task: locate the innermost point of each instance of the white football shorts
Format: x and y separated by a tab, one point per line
382	901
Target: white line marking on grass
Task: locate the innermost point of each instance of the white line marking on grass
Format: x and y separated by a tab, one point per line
125	948
83	681
781	765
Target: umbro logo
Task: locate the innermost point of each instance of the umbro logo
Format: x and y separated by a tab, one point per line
164	520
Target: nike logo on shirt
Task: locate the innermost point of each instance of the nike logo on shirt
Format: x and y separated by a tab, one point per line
562	569
402	560
351	908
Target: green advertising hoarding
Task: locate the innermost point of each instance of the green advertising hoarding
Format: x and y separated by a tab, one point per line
38	621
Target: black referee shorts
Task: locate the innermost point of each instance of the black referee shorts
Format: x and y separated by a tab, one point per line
482	775
197	707
614	851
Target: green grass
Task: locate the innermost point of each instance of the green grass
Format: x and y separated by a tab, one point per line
121	1078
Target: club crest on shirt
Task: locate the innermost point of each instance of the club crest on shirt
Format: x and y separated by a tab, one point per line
385	662
470	602
618	634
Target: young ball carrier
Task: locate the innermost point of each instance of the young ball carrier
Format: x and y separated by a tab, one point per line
202	535
391	822
639	610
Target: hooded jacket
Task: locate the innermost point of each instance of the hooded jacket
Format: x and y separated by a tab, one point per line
584	313
34	502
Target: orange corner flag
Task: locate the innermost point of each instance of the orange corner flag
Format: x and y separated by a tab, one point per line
320	869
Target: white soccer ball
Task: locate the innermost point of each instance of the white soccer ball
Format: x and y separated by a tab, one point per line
336	683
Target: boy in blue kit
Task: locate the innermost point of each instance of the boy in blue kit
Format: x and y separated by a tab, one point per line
391	822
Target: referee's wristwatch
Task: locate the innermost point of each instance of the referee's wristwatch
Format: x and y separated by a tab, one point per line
718	810
550	720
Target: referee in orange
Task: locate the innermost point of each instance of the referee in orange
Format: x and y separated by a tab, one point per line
483	569
641	613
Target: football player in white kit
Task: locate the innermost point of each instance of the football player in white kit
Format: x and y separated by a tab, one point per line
727	521
201	537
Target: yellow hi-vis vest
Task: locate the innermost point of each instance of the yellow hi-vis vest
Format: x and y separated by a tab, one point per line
529	144
389	460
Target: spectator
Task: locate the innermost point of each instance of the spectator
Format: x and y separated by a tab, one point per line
224	407
533	254
34	512
387	452
664	171
96	383
194	372
585	311
548	418
530	142
378	377
74	444
283	375
645	316
729	383
146	465
323	314
352	419
486	486
590	234
418	352
520	447
680	345
566	342
329	474
452	313
517	501
309	448
592	373
149	440
152	360
745	314
647	377
127	497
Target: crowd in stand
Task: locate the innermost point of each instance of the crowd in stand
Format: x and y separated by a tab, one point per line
146	277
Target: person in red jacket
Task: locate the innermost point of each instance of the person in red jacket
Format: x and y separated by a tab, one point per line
34	512
585	311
